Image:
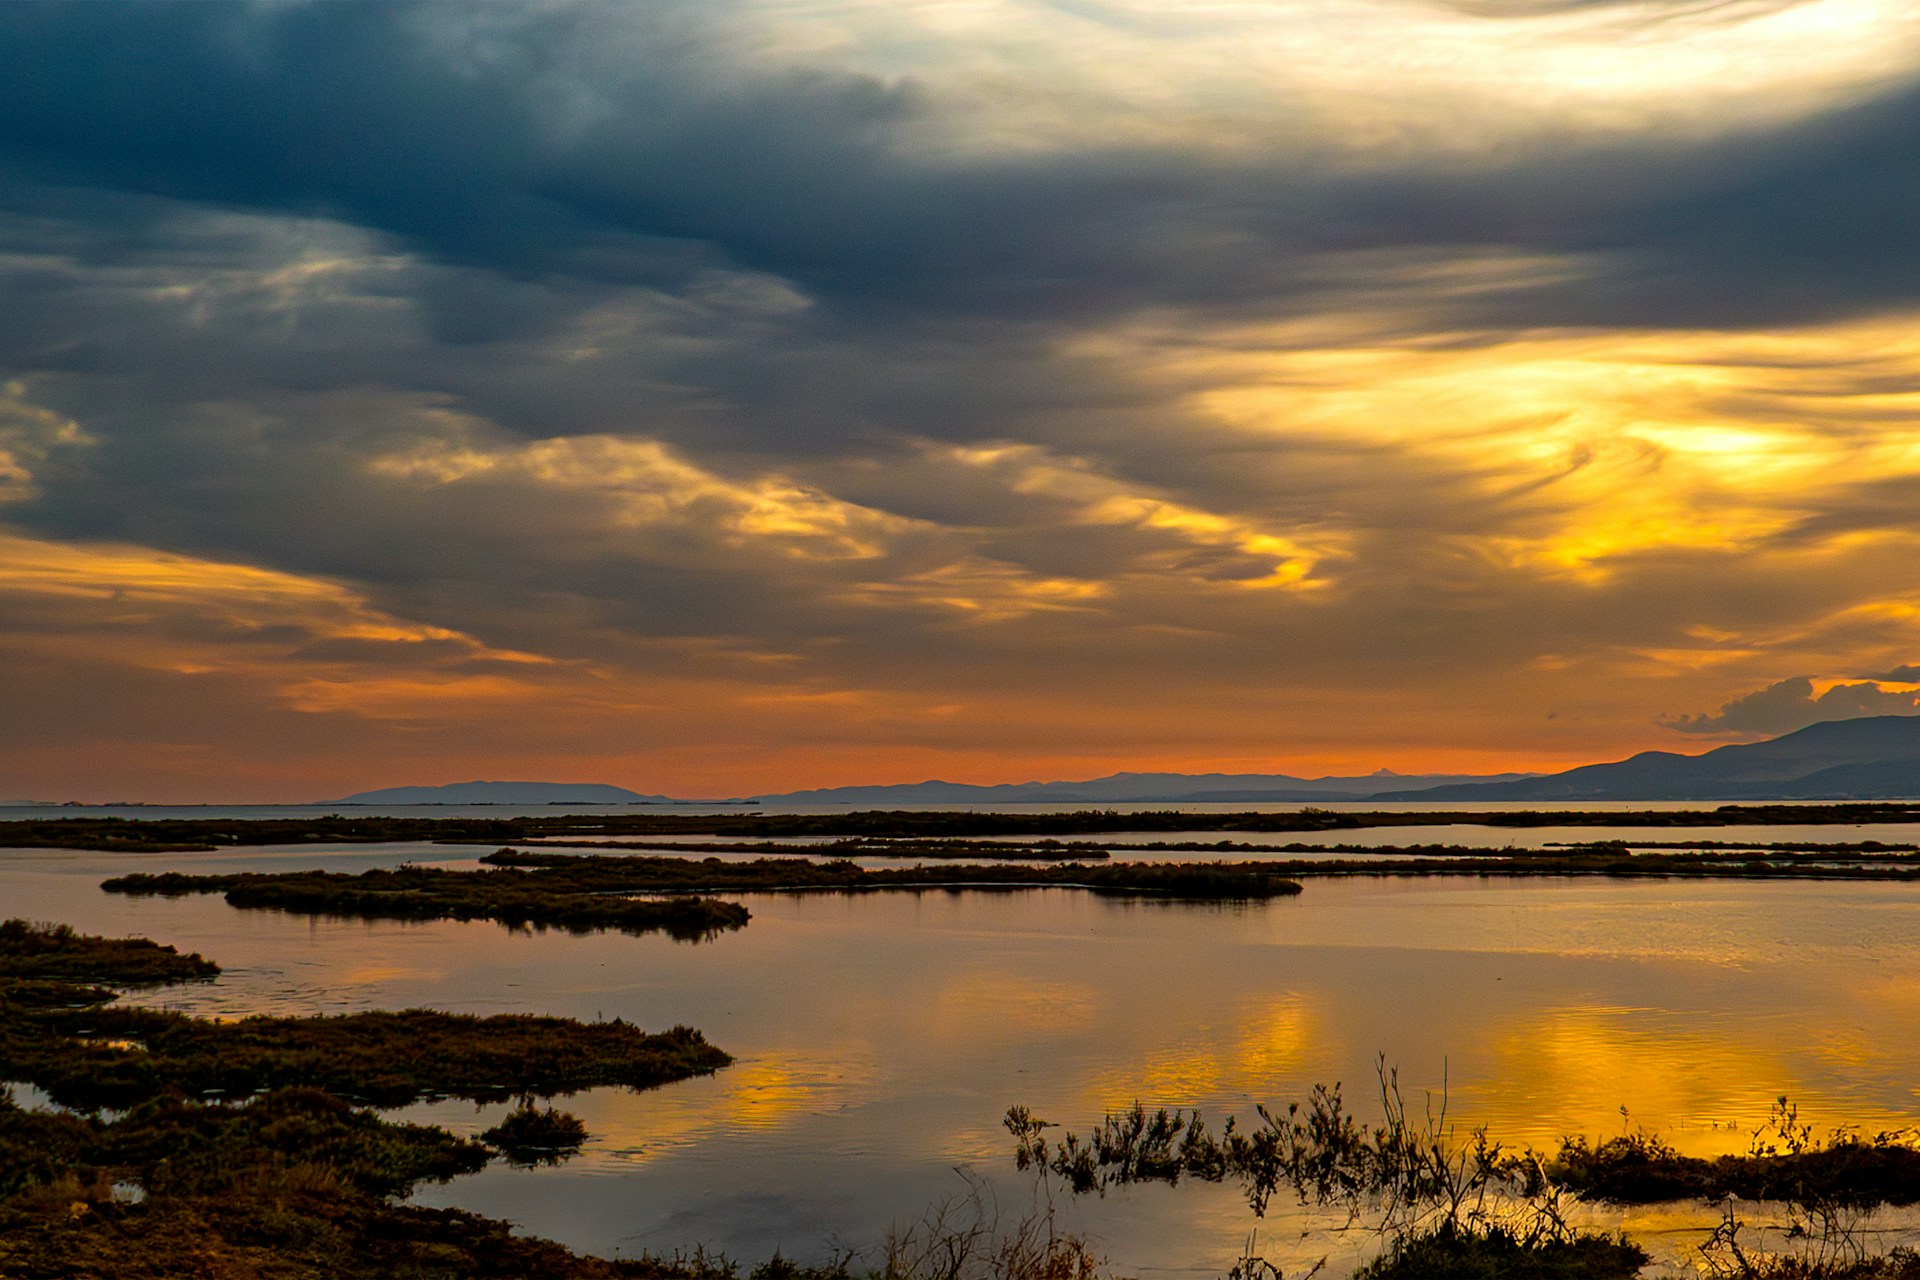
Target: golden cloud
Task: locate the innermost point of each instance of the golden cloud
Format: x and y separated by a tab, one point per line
648	486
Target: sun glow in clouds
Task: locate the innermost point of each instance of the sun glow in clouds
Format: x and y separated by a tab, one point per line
1388	75
790	390
1608	445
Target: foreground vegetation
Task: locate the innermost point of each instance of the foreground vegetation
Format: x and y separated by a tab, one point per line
1453	1208
200	834
237	1149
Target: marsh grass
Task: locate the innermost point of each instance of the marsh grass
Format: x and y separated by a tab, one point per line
1445	1205
1818	1191
531	1135
1499	1253
1439	1203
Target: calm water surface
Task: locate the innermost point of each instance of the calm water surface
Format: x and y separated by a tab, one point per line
881	1037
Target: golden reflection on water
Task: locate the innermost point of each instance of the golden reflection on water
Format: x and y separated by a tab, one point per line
1702	1091
764	1094
752	1095
371	975
1249	1056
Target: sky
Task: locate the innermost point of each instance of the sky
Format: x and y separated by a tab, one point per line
733	396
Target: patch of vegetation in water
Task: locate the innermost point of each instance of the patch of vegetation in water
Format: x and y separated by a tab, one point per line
536	1135
1785	1162
587	892
1043	850
112	1057
516	899
1497	1253
635	874
170	1145
1618	861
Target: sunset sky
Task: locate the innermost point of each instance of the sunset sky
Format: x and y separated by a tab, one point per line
734	396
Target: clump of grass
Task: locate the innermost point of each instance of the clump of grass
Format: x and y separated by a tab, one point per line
1784	1162
1499	1253
532	1135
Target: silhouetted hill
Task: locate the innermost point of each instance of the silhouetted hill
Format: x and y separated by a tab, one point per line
1122	788
503	793
1872	758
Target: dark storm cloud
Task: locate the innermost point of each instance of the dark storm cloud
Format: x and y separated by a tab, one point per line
1790	704
525	146
1811	225
366	113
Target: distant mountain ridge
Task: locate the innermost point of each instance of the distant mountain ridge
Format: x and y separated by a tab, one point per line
504	793
1871	758
1137	788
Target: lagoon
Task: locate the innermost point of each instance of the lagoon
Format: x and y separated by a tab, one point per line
880	1037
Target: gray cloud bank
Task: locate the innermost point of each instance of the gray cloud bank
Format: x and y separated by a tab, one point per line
1790	704
633	144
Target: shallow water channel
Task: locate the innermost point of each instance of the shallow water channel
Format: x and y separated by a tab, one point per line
881	1037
